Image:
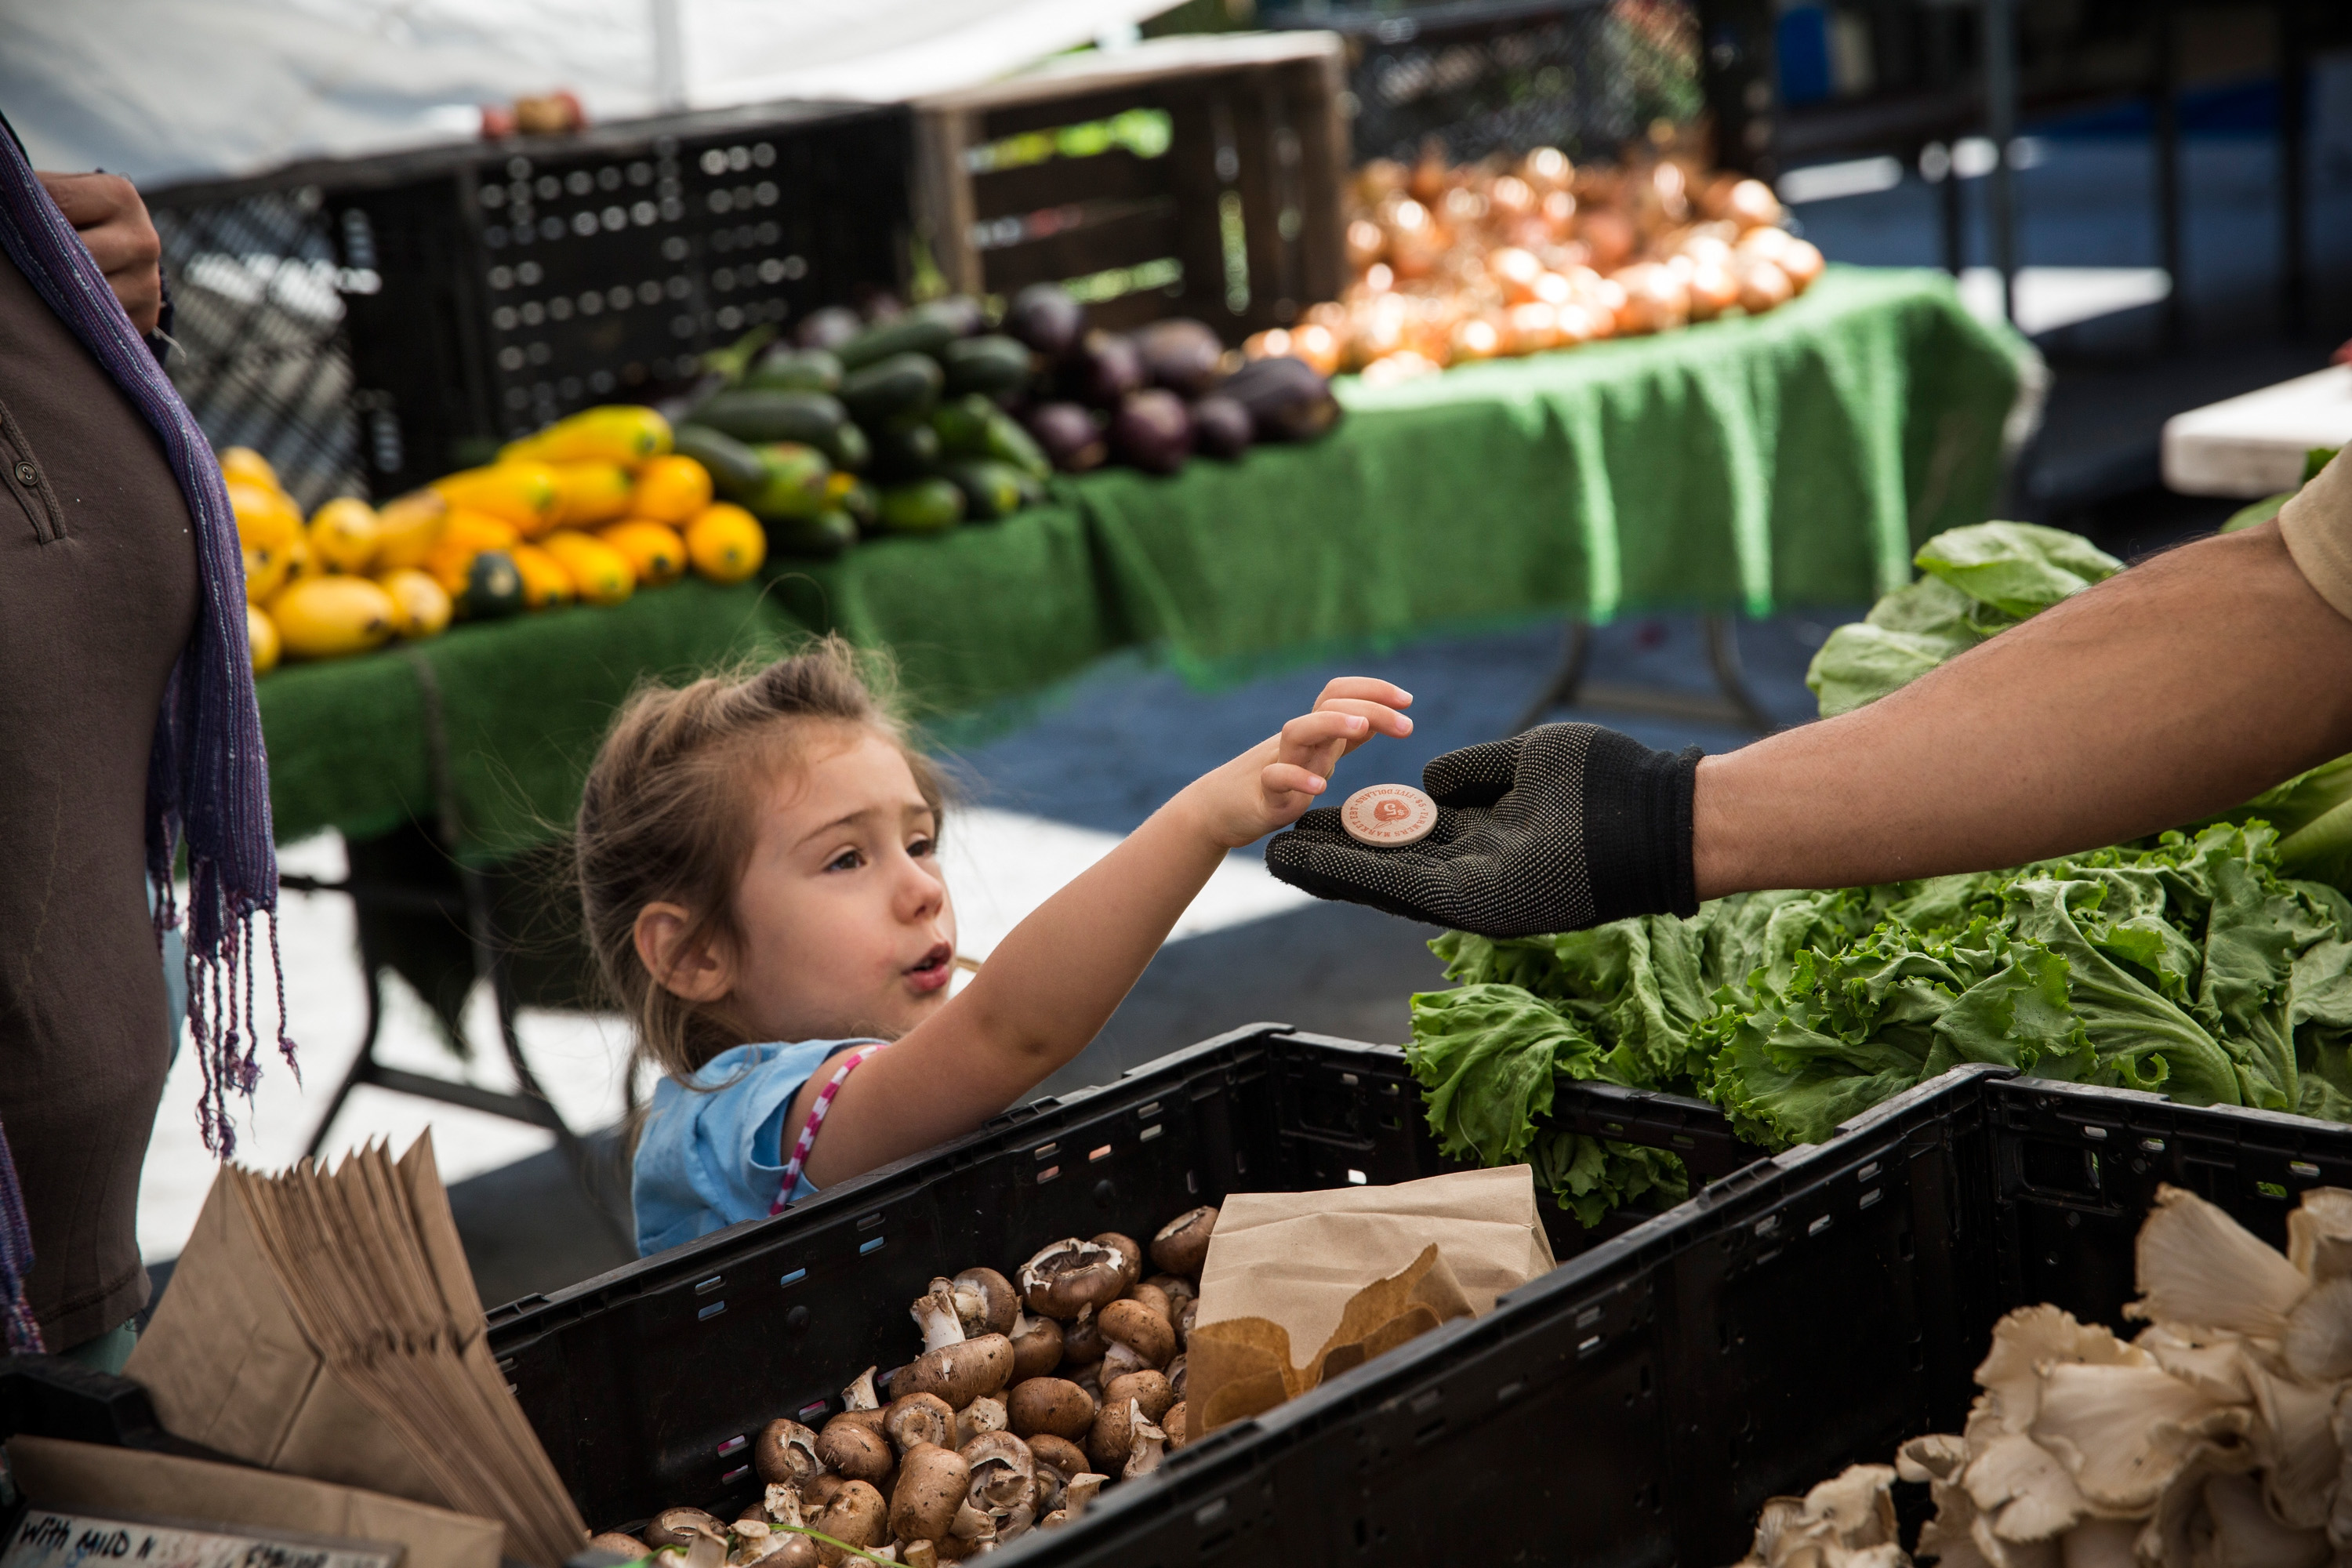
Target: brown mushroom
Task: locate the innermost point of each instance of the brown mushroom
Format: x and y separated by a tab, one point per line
985	1302
854	1450
674	1527
1175	1425
919	1419
782	1504
797	1551
1137	1337
934	1313
933	1480
919	1554
706	1546
1177	1289
1146	1441
1061	1455
1152	1295
1071	1275
1183	1244
1184	1321
974	1524
985	1414
612	1540
1131	1256
860	1395
1082	1340
1036	1346
1049	1404
817	1495
754	1543
959	1373
786	1453
1147	1388
1081	1491
1003	1471
856	1515
1091	1379
1112	1436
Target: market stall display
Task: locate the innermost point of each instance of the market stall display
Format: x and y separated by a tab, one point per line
2208	1437
1518	255
586	510
2199	964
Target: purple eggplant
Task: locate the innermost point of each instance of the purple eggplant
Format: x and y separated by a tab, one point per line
1152	431
1109	367
829	327
1180	355
1221	427
1044	316
1286	399
1069	436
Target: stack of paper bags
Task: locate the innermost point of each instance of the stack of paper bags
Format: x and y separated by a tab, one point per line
1356	1270
327	1325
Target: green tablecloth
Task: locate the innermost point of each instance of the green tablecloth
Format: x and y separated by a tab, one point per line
1743	465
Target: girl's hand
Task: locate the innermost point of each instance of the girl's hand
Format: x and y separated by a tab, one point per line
1273	783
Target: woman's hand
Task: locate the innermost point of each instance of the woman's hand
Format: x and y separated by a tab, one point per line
1273	783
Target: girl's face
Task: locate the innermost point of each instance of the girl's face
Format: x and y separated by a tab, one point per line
846	926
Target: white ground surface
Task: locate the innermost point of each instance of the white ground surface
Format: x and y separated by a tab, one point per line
1001	865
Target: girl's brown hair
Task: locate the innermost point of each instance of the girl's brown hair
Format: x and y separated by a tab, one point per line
669	811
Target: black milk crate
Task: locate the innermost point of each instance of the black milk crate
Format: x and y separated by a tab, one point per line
1504	76
1193	176
379	322
647	1384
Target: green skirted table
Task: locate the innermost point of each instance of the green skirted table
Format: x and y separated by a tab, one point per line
1741	466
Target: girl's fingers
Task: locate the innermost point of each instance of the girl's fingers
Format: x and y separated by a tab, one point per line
1365	687
1322	728
1383	719
1281	778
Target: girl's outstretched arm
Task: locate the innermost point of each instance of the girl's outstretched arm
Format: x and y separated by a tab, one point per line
1054	982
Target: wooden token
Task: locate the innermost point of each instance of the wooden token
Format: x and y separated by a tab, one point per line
1388	815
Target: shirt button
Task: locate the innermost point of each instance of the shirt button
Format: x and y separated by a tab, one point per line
25	473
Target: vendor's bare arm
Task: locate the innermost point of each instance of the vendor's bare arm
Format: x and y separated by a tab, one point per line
2179	688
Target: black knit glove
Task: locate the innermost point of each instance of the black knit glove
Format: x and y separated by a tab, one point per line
1564	826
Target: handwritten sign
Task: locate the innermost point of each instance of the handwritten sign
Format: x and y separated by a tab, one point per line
45	1539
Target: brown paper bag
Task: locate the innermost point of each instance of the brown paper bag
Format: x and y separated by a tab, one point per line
1312	1265
65	1476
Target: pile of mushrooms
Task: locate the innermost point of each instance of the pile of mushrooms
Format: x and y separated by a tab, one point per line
2219	1436
1025	1401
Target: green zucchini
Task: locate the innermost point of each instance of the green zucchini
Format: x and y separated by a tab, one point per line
795	482
849	449
904	385
962	424
914	334
796	370
925	506
1009	443
825	533
764	413
905	451
991	366
736	471
991	489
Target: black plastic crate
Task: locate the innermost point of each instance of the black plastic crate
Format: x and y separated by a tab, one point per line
379	322
1488	76
646	1383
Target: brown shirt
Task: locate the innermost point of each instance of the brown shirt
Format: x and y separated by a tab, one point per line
2317	524
98	595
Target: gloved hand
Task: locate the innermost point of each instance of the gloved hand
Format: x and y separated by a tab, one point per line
1564	826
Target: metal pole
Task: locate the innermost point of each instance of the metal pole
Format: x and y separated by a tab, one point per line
2000	125
669	57
2170	242
2293	278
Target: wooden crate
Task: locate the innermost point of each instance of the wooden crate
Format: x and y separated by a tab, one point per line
1237	221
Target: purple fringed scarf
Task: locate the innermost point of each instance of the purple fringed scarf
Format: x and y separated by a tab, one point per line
208	774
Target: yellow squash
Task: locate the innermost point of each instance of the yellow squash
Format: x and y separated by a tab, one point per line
264	516
243	463
261	638
266	569
726	544
344	535
600	573
545	583
590	495
616	433
327	617
464	535
655	552
301	561
421	606
523	494
671	489
409	528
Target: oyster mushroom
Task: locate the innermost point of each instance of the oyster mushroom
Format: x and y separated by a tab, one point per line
1177	1423
1147	1445
1036	1346
1071	1275
961	1371
1183	1244
2196	1264
985	1414
612	1540
1052	1406
860	1395
2319	1234
985	1302
785	1453
933	1481
854	1449
1131	1256
1082	1340
856	1515
1135	1337
1147	1388
676	1527
919	1419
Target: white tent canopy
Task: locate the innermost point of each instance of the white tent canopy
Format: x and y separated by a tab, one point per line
169	89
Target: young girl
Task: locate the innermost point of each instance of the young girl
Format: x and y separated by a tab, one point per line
757	864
